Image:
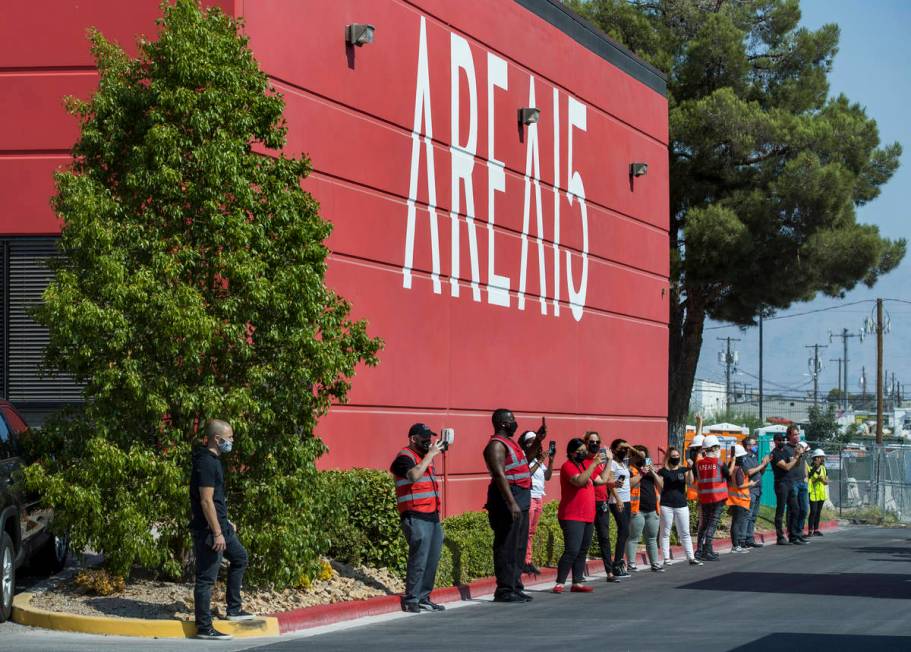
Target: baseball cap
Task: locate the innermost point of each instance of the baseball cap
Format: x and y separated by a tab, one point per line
420	430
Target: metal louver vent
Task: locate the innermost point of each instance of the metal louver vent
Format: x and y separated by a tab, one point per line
28	277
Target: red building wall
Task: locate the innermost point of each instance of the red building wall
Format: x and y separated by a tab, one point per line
454	350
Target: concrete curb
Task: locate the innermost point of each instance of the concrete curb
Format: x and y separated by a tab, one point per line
308	617
26	614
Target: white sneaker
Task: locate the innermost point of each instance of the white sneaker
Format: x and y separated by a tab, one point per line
739	550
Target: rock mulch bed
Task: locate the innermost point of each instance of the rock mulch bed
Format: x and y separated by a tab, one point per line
168	600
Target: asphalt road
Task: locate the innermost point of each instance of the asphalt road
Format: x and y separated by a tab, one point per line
849	590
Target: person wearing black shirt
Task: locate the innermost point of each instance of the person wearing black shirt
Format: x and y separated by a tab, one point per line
645	519
784	459
418	501
214	536
675	511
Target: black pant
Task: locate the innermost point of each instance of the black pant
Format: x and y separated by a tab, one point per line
815	513
510	543
621	516
708	523
786	498
207	564
577	539
602	527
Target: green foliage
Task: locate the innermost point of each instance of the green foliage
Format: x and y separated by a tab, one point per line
822	425
361	520
467	549
766	168
192	287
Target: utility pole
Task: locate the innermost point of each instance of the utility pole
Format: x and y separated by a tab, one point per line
879	372
845	336
761	417
838	377
815	368
729	359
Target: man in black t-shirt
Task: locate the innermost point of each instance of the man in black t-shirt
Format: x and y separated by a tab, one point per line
213	534
418	502
784	458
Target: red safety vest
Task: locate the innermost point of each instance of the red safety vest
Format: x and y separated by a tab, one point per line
636	492
711	485
739	496
422	495
516	469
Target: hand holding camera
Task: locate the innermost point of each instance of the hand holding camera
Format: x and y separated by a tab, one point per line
447	437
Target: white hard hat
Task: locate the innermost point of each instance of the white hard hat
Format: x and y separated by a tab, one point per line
739	451
697	441
818	453
710	441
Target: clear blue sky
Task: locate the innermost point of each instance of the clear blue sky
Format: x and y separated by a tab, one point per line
872	68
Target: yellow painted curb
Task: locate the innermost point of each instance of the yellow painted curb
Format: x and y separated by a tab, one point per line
25	614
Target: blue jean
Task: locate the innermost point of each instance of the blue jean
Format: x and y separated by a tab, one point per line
755	502
740	517
207	564
425	543
803	504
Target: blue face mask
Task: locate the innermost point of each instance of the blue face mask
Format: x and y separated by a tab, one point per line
754	449
225	446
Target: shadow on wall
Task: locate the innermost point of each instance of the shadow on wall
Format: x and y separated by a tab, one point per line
862	585
788	642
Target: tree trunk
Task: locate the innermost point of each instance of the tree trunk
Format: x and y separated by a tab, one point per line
687	320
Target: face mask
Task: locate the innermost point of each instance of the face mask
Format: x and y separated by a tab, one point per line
754	449
621	455
675	461
225	446
594	446
579	457
423	445
779	444
511	428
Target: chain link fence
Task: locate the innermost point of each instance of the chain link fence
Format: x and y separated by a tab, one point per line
866	476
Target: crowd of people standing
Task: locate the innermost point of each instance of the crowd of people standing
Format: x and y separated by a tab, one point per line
600	484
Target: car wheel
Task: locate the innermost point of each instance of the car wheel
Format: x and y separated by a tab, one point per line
50	558
7	576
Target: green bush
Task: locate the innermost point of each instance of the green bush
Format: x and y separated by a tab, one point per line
362	522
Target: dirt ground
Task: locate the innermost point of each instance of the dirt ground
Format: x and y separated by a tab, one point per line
168	600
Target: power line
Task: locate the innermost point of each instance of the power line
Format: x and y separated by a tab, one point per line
806	312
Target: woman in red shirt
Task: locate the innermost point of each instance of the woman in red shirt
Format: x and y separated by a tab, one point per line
576	513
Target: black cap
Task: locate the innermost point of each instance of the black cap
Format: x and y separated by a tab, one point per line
420	430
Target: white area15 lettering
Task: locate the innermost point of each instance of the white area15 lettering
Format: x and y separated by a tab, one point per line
463	156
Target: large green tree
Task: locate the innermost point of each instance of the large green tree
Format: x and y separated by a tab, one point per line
191	287
766	169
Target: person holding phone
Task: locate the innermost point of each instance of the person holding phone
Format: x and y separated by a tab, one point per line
620	505
417	492
819	490
603	483
576	515
214	536
542	467
675	511
644	506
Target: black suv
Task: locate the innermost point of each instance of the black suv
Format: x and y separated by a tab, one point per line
24	534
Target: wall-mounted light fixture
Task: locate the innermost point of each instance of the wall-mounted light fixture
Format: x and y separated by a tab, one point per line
528	116
638	169
359	34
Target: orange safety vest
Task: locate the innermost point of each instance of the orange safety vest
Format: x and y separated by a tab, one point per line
516	469
691	492
422	495
635	492
711	485
739	496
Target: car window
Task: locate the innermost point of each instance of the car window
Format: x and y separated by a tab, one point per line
6	445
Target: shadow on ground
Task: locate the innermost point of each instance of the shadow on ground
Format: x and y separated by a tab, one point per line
788	642
866	585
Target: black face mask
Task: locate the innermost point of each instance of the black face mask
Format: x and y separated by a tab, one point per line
422	446
779	444
579	457
675	461
594	446
510	428
620	455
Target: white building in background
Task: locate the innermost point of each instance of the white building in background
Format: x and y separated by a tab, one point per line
708	398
